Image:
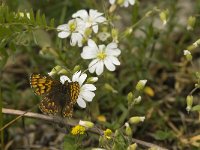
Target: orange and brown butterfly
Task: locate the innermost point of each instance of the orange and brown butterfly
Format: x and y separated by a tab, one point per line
57	98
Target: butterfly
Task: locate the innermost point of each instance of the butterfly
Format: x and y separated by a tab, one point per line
57	98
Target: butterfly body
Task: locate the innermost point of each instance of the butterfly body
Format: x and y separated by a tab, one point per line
57	98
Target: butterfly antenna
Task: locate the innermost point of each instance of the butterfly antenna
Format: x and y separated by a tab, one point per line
90	67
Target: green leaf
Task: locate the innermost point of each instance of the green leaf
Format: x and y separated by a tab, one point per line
196	108
70	143
38	18
163	135
52	22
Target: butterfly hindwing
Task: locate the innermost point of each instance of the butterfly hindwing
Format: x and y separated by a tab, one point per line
41	84
73	93
49	106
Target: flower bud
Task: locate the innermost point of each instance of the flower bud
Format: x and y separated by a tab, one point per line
128	129
189	100
140	85
136	120
187	55
86	124
191	22
132	146
103	36
55	70
128	31
76	68
196	44
164	15
92	79
115	34
63	71
109	88
138	99
130	97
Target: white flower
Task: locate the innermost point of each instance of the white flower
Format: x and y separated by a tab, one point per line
101	55
91	19
75	28
124	3
103	36
86	90
186	52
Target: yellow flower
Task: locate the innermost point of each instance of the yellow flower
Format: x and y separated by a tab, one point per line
108	133
78	129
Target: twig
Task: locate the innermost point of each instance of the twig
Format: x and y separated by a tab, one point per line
67	122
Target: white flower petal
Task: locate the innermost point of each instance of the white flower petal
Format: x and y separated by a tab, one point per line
63	34
88	53
109	65
113	52
64	78
76	38
82	79
114	60
93	65
92	44
88	87
76	76
95	28
112	1
99	67
82	14
81	102
88	96
94	14
62	27
112	46
132	2
100	19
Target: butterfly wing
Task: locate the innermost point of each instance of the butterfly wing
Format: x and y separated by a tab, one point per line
72	96
46	87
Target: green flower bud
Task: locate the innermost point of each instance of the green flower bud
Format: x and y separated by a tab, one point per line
92	79
189	100
191	22
128	129
55	70
115	34
109	88
140	85
130	97
63	71
128	31
164	15
86	124
188	55
76	68
196	44
132	146
136	120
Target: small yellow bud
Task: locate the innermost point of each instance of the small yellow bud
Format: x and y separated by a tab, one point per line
191	22
164	15
140	85
108	133
149	91
189	100
188	55
101	118
86	124
128	31
128	129
132	146
136	120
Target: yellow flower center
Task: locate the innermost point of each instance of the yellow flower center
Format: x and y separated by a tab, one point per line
101	55
78	130
72	26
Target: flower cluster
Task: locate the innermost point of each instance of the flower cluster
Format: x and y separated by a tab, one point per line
77	27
